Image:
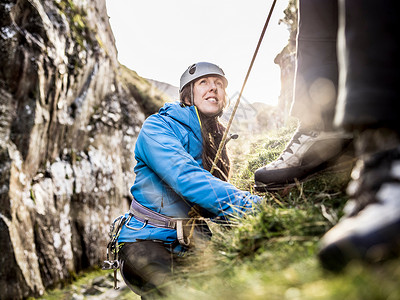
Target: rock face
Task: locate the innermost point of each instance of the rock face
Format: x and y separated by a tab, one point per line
67	131
286	60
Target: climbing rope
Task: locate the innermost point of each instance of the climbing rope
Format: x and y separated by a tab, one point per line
223	141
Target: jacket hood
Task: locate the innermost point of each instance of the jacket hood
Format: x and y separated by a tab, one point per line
186	115
178	112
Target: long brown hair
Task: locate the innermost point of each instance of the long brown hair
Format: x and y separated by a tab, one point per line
212	131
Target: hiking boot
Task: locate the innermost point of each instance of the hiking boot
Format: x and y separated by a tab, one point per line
370	229
307	153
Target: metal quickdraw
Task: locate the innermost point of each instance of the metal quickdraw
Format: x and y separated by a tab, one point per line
113	248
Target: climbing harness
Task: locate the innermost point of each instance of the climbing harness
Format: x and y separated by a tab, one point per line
222	144
184	230
184	226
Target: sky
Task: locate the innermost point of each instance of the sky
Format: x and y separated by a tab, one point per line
159	39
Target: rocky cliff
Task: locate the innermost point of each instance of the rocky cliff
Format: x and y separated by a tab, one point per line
286	59
68	125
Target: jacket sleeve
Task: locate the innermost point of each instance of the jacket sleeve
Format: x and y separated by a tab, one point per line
161	150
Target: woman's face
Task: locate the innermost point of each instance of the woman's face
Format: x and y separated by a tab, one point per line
209	95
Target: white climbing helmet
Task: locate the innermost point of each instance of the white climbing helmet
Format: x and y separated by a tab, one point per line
198	70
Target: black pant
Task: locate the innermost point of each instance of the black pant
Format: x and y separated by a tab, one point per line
347	64
316	79
146	267
369	64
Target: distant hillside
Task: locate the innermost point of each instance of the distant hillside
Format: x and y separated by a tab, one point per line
253	117
150	98
172	92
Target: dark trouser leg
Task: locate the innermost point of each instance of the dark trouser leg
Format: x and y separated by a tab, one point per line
368	105
316	68
315	146
146	267
369	61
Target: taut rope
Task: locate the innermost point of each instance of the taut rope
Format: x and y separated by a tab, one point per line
222	144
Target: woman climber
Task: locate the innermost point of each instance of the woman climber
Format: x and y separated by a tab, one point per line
175	151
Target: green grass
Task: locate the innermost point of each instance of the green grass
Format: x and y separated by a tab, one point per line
271	253
66	290
84	281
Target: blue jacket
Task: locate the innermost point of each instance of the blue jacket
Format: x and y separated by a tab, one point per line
170	178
